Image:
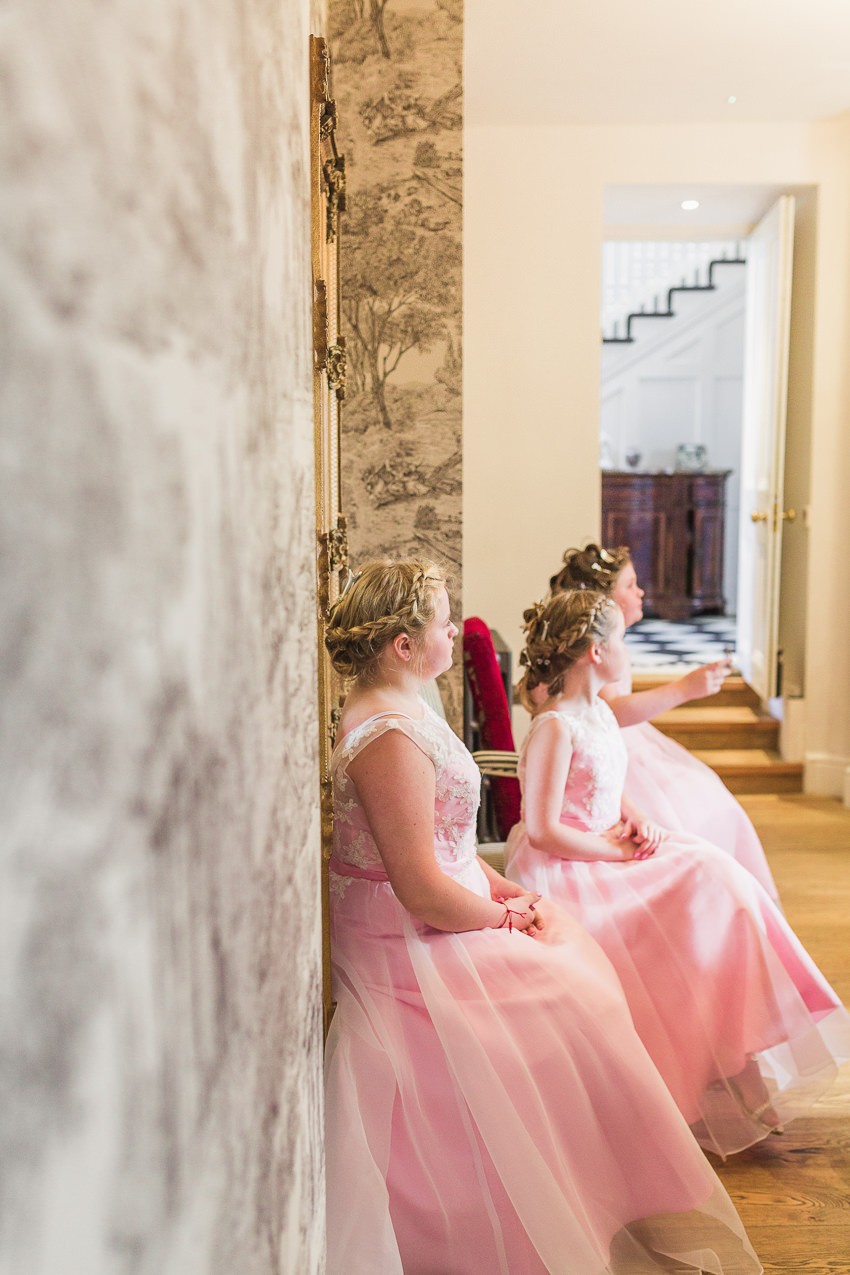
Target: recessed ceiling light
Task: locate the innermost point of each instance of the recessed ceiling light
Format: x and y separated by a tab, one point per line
731	100
690	204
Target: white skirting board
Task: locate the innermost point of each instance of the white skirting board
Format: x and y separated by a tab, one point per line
792	731
827	775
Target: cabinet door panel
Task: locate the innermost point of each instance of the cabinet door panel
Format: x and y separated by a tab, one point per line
645	534
673	526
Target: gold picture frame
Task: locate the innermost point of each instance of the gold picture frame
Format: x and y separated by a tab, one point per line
327	178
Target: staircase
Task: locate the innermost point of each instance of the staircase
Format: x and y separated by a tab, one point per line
669	312
636	276
730	733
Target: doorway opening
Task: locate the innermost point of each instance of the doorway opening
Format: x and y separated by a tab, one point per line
673	318
695	332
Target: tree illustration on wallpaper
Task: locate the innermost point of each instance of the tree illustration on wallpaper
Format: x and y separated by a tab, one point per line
376	15
399	281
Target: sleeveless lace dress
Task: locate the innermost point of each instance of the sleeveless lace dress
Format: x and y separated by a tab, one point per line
732	1010
490	1110
675	789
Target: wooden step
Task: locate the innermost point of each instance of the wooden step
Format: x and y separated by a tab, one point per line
753	770
732	727
735	693
729	733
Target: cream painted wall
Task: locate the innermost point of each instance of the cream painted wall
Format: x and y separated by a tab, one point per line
827	727
531	364
533	234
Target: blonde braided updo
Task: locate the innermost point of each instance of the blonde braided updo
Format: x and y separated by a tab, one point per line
558	633
383	600
590	568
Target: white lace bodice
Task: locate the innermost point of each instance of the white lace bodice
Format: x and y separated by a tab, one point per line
455	801
594	787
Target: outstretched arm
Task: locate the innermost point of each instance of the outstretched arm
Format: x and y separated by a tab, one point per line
395	782
640	706
547	766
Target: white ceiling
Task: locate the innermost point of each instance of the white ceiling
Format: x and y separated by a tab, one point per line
654	61
724	211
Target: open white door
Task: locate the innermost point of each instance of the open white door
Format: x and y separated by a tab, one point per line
769	261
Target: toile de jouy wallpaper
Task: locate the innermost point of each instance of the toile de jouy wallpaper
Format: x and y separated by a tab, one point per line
399	91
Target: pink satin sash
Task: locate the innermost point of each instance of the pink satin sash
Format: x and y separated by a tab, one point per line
343	869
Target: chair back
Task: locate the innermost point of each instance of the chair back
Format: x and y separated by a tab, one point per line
493	715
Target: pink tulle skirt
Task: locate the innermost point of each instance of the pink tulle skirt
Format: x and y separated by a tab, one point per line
681	793
491	1110
737	1018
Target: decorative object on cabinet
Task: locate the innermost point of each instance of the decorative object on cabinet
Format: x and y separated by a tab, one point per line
691	458
673	525
606	454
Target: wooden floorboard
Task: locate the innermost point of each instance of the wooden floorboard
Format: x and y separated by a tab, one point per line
793	1192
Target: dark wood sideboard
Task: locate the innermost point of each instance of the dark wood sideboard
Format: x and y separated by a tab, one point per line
673	526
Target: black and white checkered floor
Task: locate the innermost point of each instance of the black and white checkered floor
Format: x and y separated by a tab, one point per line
679	645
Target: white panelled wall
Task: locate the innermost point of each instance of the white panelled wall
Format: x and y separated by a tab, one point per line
680	382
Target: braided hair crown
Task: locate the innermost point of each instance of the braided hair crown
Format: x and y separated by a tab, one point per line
559	632
590	568
386	598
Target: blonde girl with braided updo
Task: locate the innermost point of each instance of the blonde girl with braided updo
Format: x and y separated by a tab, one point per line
382	617
573	648
715	979
482	1070
390	632
673	786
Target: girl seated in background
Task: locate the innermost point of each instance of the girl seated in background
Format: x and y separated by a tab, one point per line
739	1021
676	789
489	1105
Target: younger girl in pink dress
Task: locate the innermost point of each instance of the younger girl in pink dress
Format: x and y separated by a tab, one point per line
672	786
739	1021
489	1106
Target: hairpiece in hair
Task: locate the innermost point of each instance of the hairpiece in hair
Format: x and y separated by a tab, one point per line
352	579
531	615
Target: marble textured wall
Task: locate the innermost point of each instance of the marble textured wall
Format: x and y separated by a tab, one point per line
160	933
398	80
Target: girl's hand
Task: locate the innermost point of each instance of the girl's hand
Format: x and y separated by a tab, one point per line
502	889
632	839
647	837
618	843
531	923
706	680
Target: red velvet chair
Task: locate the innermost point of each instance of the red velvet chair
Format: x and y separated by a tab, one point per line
497	757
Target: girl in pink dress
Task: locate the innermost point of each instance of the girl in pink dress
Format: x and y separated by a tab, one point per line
672	786
739	1021
490	1108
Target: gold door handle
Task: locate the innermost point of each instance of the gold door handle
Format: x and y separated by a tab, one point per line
788	515
757	517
